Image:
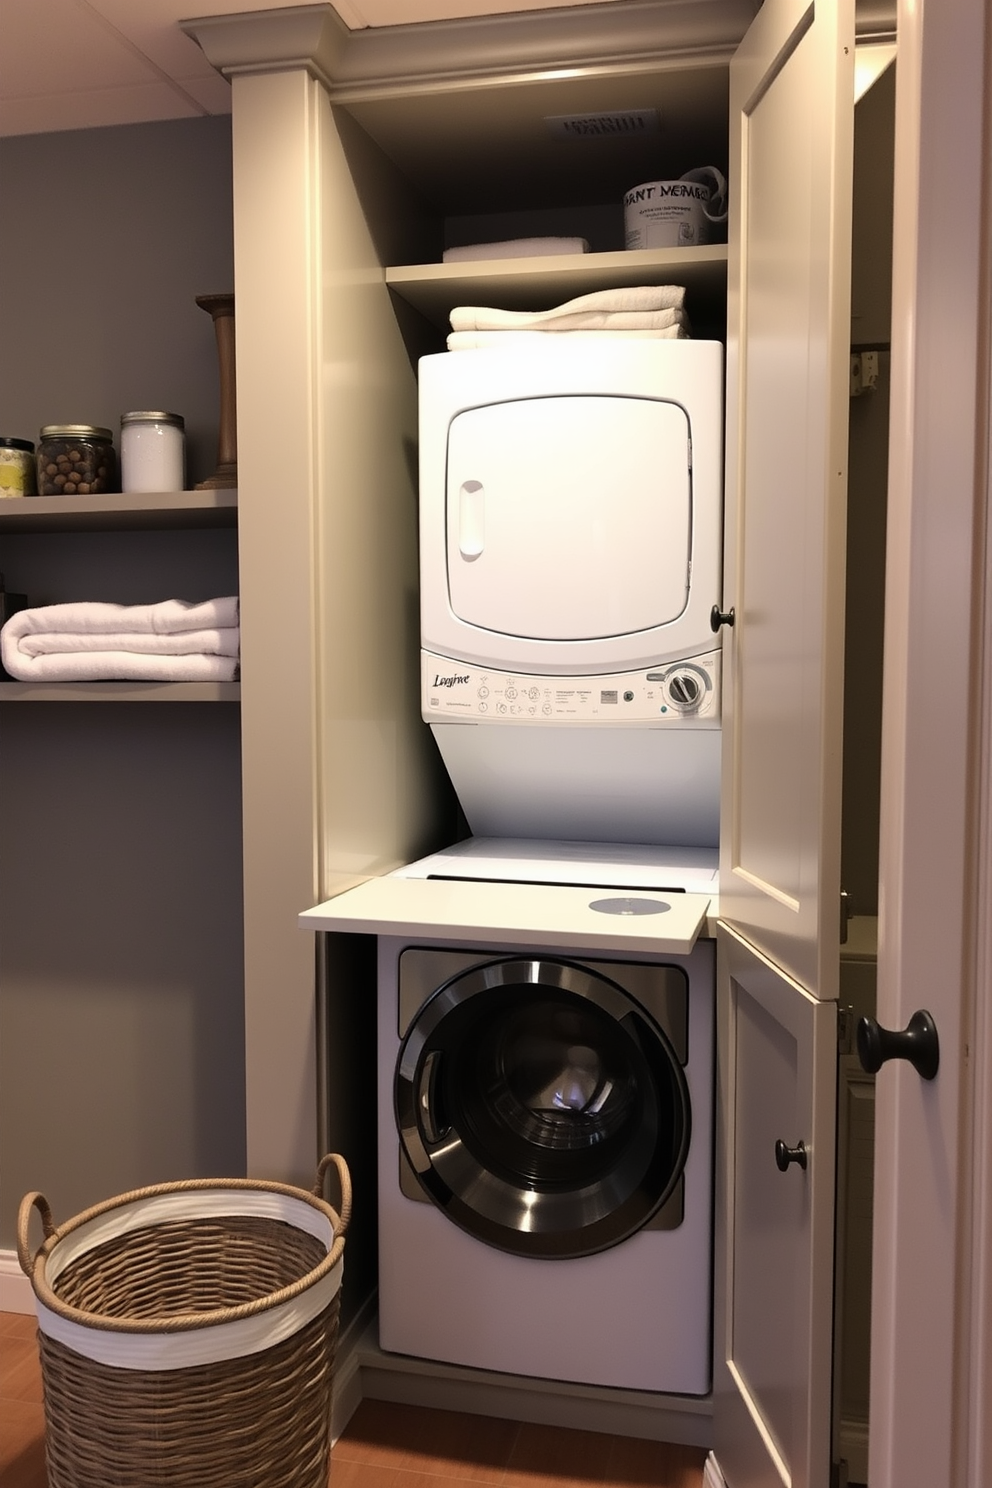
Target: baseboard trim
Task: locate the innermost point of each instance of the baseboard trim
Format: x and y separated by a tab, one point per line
712	1476
681	1419
853	1448
16	1294
347	1395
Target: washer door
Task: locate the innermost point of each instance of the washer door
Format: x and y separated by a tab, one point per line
541	1107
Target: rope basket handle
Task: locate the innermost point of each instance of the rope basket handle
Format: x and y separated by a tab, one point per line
333	1159
32	1201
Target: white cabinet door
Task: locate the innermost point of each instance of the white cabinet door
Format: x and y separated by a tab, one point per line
778	1072
788	331
792	115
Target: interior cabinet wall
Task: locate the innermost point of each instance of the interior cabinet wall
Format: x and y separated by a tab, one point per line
121	1023
341	779
871	319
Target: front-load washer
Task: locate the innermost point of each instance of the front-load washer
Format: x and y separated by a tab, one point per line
545	1161
570	559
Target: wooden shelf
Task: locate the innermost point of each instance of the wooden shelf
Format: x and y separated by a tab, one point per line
120	692
117	512
540	283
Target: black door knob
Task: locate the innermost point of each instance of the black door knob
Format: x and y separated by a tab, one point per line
720	617
917	1042
785	1155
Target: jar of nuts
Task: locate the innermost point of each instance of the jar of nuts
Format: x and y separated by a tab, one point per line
76	460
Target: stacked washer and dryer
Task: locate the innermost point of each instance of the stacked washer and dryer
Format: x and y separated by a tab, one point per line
546	1115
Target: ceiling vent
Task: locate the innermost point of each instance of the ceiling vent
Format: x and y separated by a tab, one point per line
621	124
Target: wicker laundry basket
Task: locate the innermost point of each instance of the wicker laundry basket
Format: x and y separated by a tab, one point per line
187	1334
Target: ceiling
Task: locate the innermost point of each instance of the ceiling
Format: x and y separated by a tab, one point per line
79	64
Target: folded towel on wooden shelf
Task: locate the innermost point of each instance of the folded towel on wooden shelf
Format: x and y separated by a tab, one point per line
226	642
120	666
639	299
475	340
515	248
171	641
164	617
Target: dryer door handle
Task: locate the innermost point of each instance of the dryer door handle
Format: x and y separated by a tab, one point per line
427	1099
471	519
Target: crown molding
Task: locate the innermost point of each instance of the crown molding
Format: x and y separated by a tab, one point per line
378	61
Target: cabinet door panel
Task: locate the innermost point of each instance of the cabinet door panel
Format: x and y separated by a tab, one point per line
787	386
778	1083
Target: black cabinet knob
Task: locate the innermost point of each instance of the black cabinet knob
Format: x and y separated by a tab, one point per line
784	1156
720	617
917	1042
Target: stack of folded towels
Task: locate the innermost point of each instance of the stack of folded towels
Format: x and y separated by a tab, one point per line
172	641
651	311
515	248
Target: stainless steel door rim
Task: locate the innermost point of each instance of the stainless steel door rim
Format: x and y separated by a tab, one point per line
541	1106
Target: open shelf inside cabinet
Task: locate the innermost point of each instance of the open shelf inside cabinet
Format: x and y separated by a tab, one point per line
120	512
120	692
541	283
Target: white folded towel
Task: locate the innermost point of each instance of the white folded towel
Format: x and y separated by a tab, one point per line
515	248
120	666
601	320
183	643
173	640
94	617
474	340
637	300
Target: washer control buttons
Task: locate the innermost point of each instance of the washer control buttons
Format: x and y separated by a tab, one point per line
683	692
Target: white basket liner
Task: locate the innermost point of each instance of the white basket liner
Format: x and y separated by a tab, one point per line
189	1347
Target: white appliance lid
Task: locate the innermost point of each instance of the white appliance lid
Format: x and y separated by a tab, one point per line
616	865
569	517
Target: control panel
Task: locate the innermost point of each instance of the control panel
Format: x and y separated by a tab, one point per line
679	692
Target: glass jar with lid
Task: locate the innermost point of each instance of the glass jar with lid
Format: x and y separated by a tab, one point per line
76	460
153	451
17	474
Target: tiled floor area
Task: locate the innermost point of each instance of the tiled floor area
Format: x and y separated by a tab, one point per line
386	1446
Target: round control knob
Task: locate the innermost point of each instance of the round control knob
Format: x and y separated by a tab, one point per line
685	690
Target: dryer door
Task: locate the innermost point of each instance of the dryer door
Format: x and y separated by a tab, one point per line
569	518
542	1107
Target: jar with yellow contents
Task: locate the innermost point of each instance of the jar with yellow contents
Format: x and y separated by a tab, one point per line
17	476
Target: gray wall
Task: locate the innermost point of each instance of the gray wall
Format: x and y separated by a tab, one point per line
115	233
121	976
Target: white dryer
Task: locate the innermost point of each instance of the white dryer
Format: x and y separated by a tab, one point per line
545	1140
570	520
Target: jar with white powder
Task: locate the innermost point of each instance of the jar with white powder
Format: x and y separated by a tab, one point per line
153	451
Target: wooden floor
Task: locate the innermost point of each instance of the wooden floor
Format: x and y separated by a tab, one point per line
385	1446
